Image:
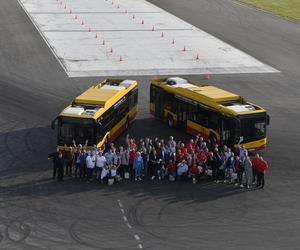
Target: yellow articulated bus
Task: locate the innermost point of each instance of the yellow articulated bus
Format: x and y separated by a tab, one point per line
210	112
99	115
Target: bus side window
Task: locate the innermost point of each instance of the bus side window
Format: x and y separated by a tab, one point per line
214	121
202	116
169	104
133	99
192	112
152	94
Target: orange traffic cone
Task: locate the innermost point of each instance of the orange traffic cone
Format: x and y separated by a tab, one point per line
207	76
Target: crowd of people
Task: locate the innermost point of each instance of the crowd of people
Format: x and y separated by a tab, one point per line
163	160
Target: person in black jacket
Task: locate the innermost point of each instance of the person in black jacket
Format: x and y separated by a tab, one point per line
54	157
153	159
60	167
212	162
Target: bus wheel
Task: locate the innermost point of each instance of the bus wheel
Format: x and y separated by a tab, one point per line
170	121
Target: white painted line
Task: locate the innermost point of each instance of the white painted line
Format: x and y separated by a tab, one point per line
129	226
120	204
122	211
140	246
125	218
137	237
137	50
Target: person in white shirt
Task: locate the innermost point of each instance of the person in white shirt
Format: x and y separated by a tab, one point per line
182	170
172	144
104	174
90	164
100	162
124	160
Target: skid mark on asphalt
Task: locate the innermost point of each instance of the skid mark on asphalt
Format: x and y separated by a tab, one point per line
136	236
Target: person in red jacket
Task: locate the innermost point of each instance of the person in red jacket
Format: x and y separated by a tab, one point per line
255	164
171	170
180	156
261	172
132	155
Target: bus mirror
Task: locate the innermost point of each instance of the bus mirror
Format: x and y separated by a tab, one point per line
236	139
268	120
54	123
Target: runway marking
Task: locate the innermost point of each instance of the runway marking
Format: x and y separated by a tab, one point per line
136	236
120	204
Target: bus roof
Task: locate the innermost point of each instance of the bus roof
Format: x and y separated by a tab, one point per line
97	99
211	96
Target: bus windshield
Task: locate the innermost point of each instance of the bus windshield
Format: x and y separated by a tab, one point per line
76	129
253	127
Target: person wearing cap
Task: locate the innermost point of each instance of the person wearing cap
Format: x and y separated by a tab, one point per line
138	165
182	170
261	172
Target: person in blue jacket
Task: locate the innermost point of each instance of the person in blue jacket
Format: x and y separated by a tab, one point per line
138	165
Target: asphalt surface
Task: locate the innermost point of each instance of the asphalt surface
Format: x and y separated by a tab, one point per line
39	213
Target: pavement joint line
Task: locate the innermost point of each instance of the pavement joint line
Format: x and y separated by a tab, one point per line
122	211
125	218
129	226
140	246
137	237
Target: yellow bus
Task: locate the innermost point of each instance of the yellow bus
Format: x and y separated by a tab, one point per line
209	111
99	114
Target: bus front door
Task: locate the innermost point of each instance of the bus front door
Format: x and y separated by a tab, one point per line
182	115
159	105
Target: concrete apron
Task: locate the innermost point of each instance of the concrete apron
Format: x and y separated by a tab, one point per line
129	37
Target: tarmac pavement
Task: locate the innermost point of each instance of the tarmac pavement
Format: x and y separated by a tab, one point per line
37	212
